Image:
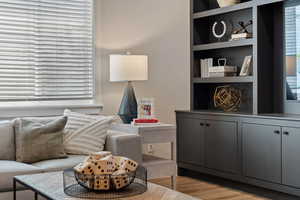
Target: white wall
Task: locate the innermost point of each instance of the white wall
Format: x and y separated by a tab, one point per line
157	28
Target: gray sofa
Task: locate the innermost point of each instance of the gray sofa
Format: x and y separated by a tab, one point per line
118	143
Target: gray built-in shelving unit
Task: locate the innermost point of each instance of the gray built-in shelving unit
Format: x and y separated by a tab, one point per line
258	145
262	92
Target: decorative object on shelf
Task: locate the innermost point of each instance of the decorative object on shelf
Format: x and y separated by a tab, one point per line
146	108
128	68
246	68
221	74
242	33
224	3
74	189
205	64
220	60
102	171
224	30
223	70
227	98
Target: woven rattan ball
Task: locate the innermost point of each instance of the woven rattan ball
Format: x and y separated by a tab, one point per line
227	98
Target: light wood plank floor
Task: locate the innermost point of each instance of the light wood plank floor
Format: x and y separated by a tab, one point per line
211	188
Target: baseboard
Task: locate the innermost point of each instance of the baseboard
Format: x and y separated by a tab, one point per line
193	171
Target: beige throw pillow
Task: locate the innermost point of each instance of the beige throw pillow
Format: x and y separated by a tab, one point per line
85	134
7	141
39	139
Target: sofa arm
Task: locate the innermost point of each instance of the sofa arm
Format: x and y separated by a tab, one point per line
124	144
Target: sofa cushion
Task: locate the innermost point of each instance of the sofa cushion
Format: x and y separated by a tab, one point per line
9	169
7	141
85	134
60	164
39	139
77	120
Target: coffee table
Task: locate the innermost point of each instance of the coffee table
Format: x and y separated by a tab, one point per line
50	186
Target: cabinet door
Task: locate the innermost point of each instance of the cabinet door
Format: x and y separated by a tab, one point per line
291	157
190	141
221	146
262	152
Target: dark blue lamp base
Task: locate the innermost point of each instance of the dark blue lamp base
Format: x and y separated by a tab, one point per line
128	107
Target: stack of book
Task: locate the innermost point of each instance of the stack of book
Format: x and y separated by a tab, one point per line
205	64
222	71
239	36
208	70
152	121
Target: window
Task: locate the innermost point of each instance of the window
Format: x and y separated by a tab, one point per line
292	50
46	50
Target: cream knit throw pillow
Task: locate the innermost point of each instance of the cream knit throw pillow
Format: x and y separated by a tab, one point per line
85	134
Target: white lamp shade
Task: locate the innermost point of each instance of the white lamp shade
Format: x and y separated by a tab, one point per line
128	68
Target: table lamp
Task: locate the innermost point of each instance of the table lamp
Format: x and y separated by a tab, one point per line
128	68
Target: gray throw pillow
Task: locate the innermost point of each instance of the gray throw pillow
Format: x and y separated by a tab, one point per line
39	139
7	141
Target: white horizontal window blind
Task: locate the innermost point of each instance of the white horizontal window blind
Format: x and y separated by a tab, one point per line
46	49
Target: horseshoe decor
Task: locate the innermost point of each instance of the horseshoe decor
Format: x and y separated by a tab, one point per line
219	36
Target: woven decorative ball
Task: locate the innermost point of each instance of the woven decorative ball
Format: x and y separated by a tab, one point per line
224	3
227	98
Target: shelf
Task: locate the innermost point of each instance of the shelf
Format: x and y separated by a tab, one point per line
218	11
264	2
159	167
220	113
154	160
267	16
233	79
222	45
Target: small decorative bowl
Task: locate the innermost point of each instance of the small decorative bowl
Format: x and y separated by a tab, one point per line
105	182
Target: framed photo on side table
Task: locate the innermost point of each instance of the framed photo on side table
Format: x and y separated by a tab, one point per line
246	68
146	108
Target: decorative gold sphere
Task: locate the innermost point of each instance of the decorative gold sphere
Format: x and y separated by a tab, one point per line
227	98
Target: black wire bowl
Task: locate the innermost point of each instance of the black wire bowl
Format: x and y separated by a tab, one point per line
109	182
77	185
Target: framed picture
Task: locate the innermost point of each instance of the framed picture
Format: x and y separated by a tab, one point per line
146	108
246	68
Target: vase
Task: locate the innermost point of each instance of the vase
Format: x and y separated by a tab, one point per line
224	3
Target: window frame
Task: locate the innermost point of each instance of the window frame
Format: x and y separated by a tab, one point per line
20	108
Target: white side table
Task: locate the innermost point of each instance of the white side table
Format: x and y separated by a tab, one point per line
151	134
